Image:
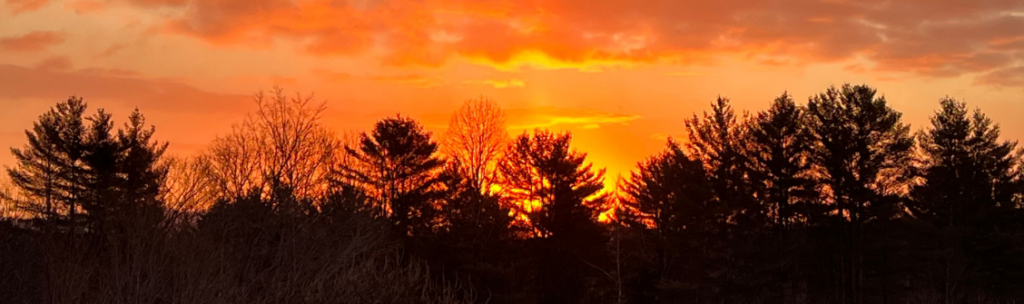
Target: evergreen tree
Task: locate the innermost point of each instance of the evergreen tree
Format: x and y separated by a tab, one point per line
721	141
396	166
670	208
560	195
102	158
50	169
467	210
557	188
863	151
142	171
779	148
718	140
477	243
70	167
970	195
969	173
862	155
669	192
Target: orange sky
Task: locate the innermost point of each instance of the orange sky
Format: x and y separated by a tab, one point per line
621	75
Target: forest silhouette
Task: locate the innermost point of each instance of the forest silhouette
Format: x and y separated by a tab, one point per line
831	201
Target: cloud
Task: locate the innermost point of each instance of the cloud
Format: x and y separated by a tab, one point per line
563	118
410	79
111	72
416	80
57	63
185	116
283	80
1008	77
121	86
331	76
24	6
86	6
36	41
322	27
498	84
684	74
939	39
111	50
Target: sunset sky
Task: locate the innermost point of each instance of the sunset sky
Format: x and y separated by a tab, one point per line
621	75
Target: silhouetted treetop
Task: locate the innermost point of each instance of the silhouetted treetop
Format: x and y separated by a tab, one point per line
282	144
553	183
397	166
476	139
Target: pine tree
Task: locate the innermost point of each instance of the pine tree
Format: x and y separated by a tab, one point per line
718	140
49	169
779	148
84	176
556	186
560	195
971	191
396	166
669	192
669	203
862	155
143	171
476	243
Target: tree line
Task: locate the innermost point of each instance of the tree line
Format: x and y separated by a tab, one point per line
831	201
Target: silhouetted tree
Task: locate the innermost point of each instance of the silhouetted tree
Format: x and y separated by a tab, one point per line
969	173
283	144
779	149
560	195
971	193
823	203
476	139
476	242
669	192
188	189
467	211
721	142
862	155
69	168
717	140
128	173
50	167
397	167
671	210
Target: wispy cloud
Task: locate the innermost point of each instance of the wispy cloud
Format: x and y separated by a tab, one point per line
410	79
498	83
57	63
24	6
1009	77
564	118
417	80
35	41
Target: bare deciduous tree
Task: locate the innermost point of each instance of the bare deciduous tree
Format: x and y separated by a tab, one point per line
476	139
188	188
9	198
283	144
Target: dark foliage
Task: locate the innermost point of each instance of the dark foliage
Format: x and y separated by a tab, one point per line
829	202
